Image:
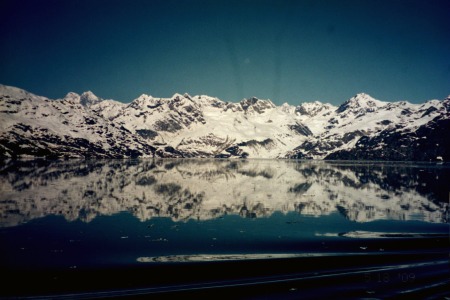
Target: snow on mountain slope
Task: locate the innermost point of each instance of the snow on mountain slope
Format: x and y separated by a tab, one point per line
36	126
363	117
202	126
108	109
206	126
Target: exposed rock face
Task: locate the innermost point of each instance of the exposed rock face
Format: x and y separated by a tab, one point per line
365	128
423	144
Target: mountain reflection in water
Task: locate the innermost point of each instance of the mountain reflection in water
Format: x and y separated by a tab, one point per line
200	229
209	189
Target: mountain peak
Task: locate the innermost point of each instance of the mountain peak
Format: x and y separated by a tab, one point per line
255	104
89	98
363	98
362	95
360	102
287	108
178	95
312	108
86	99
89	95
72	97
142	101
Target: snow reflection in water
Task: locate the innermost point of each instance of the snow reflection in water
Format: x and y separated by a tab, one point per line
174	223
209	189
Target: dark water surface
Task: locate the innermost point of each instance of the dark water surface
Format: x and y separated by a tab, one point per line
253	228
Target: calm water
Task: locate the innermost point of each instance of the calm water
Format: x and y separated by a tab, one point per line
82	214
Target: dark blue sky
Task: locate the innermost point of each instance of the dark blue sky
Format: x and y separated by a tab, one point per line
287	51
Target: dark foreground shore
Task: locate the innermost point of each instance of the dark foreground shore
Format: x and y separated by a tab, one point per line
423	273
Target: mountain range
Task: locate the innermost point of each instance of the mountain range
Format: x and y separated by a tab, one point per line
361	128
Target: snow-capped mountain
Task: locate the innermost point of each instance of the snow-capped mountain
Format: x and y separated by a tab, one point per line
36	126
366	128
202	126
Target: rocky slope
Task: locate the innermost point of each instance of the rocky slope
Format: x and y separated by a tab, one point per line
201	126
